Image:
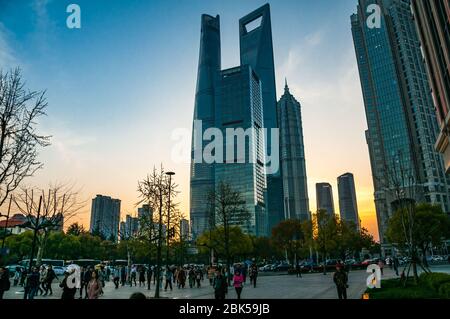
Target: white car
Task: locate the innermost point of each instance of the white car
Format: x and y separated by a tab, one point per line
59	270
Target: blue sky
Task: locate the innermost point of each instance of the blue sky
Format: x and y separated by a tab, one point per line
119	86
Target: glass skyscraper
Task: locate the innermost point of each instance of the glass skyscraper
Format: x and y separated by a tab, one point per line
348	206
202	174
242	97
239	107
402	125
324	197
292	157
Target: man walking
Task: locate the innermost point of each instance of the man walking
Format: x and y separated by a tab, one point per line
169	276
220	285
49	280
116	277
340	279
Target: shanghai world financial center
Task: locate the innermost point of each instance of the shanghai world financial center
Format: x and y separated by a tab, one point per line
241	98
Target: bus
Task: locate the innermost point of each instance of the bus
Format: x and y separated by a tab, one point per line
86	262
54	262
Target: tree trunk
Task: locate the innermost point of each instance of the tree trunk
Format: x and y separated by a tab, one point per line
42	243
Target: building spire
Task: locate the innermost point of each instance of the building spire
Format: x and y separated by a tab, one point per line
286	88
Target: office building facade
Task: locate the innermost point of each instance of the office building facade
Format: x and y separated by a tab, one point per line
324	198
402	124
432	19
348	206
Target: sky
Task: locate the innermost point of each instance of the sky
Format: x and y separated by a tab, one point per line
121	85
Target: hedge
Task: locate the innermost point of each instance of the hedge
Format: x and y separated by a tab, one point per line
434	280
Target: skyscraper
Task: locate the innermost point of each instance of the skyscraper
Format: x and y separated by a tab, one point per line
239	110
324	197
105	216
256	49
348	205
256	102
184	229
432	19
402	125
202	173
292	157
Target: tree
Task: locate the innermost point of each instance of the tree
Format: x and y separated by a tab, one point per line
75	229
239	244
430	226
325	233
289	236
227	210
19	139
349	240
264	248
155	191
46	211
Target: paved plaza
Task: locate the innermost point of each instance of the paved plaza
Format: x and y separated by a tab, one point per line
310	286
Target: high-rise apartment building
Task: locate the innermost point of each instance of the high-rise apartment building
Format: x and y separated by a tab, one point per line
105	216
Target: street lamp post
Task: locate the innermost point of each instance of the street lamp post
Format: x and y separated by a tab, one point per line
170	174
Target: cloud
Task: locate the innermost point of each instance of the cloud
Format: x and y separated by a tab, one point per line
7	58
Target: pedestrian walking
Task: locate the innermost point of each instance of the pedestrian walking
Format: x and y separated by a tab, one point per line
116	277
94	288
340	279
49	280
298	271
181	278
123	275
381	265
86	279
149	276
42	280
238	281
191	276
198	277
141	276
395	264
5	284
133	276
31	284
253	274
169	278
17	275
220	285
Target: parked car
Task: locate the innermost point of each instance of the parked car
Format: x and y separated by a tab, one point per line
59	270
282	267
12	269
